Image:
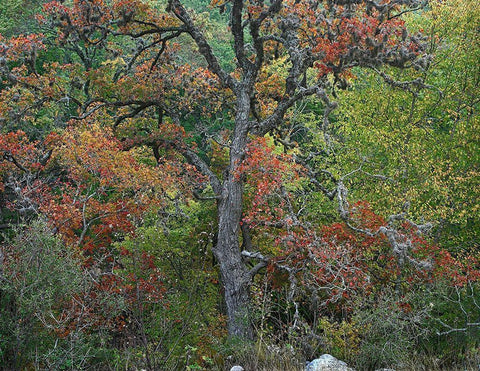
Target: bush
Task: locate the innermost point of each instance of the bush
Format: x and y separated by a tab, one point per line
391	331
39	281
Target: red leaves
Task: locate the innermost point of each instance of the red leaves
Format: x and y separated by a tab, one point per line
343	36
20	155
21	47
338	264
92	203
92	20
267	171
82	15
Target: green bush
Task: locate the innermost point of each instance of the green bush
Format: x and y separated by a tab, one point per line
39	281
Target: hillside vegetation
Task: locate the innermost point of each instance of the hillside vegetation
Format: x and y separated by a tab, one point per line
192	185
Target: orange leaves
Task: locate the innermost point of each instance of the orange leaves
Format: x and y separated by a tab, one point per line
160	82
264	163
92	154
53	8
94	163
271	85
218	3
135	16
16	143
106	188
19	153
83	15
340	36
21	47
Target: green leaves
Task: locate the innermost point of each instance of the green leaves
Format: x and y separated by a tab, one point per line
40	279
421	142
17	16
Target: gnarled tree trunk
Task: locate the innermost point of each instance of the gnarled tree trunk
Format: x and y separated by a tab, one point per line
236	277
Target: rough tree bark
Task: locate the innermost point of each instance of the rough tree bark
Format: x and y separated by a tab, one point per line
235	276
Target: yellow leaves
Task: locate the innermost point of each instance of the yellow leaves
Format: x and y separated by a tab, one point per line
343	337
456	16
114	63
271	85
427	148
218	3
93	156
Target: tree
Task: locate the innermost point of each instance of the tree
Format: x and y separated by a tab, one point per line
122	66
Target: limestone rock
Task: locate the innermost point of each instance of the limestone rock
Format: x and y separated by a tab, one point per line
327	362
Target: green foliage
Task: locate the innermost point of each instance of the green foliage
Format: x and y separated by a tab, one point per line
262	355
186	317
389	334
17	16
342	339
40	277
419	147
452	321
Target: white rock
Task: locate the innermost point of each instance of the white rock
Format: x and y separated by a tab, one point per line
327	362
237	368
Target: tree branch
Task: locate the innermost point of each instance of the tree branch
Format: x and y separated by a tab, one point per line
261	264
203	46
203	168
272	121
